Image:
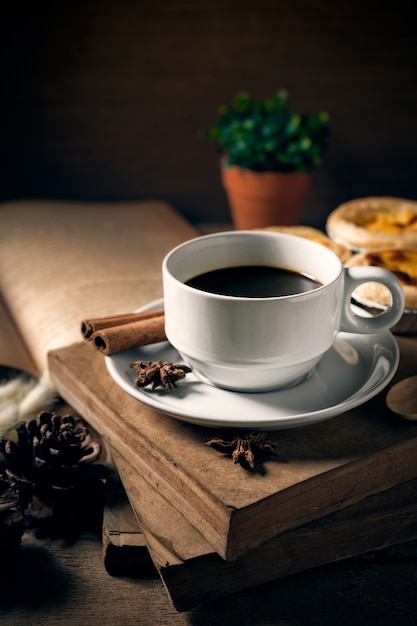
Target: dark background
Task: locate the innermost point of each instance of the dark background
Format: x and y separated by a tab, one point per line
105	100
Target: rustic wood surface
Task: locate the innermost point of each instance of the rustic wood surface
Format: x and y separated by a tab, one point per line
56	582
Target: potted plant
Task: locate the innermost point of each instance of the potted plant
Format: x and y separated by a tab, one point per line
268	154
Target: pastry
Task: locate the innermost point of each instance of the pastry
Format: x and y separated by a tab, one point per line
314	234
374	223
402	263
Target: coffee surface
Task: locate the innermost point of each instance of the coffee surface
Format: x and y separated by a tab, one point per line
253	281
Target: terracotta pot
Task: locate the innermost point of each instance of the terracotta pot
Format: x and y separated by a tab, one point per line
259	199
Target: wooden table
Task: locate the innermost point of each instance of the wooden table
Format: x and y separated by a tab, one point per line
57	580
56	583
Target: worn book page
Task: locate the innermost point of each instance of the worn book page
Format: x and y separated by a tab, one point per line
13	352
62	262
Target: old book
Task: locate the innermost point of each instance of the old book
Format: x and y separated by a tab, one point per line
322	468
193	573
125	551
61	262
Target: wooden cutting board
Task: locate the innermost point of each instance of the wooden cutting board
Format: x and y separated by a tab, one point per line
322	468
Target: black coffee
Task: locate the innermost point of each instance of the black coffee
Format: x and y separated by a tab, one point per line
253	281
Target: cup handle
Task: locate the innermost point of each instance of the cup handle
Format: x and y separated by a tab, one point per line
355	276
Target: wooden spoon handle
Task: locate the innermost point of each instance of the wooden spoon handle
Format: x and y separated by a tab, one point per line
402	398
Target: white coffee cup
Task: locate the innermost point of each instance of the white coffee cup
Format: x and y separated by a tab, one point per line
264	343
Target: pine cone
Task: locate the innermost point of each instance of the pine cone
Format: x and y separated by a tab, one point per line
11	517
52	457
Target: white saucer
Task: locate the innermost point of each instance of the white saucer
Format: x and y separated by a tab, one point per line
354	370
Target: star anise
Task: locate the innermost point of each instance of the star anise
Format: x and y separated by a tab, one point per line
157	373
243	447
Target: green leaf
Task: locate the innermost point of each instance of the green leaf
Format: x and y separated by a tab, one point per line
265	135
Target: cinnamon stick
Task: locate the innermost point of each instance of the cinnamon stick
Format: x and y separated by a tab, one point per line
121	337
90	326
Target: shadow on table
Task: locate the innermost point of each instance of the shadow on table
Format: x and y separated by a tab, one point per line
32	578
376	589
